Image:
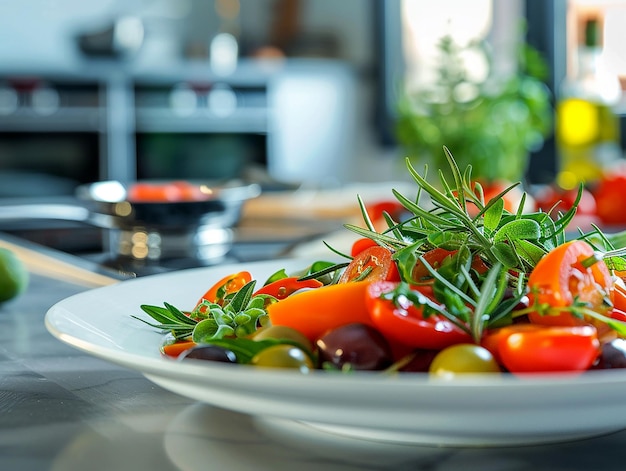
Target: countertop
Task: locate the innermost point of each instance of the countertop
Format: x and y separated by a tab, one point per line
61	409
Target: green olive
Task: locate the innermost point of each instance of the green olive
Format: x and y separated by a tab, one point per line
463	358
285	333
283	356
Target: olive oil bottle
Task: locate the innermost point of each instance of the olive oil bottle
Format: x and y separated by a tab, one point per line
587	129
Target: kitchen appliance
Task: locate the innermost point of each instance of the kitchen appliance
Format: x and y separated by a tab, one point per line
196	230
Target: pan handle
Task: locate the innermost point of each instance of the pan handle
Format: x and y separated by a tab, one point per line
63	212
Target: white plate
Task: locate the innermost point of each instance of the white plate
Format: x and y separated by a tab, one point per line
480	410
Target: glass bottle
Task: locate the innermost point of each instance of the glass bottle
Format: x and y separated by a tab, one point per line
587	128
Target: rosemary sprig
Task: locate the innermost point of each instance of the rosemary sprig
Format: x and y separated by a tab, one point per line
455	215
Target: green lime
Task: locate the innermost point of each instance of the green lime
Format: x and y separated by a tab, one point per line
13	275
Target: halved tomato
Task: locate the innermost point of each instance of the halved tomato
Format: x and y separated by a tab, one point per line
562	278
372	264
227	285
405	322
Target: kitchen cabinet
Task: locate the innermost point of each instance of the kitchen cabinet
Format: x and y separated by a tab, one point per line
116	120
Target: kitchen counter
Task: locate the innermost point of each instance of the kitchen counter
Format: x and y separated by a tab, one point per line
61	409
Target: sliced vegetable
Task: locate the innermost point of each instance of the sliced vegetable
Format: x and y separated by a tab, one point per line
176	348
401	320
372	264
228	285
618	296
284	287
316	311
564	290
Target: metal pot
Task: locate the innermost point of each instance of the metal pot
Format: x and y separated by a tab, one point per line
200	229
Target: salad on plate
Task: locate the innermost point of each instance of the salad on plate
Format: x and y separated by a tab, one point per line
458	284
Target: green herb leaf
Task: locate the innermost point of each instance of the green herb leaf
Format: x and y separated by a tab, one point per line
518	229
493	215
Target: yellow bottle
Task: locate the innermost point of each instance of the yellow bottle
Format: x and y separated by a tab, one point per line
587	129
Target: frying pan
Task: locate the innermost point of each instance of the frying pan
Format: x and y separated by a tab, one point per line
152	229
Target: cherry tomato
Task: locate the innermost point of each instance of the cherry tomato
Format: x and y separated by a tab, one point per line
406	323
372	264
549	349
284	287
435	258
512	198
609	195
393	208
360	245
165	192
559	279
562	201
227	285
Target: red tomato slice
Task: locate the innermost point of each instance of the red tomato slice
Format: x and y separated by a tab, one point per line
284	287
372	264
560	278
406	324
227	285
618	296
548	349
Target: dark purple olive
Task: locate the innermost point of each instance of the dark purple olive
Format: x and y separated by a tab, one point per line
209	352
419	361
357	346
613	355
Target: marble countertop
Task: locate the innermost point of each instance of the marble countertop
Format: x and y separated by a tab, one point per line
61	409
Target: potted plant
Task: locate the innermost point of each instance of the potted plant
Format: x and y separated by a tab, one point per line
491	124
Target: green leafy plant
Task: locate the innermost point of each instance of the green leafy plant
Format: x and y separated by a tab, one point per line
491	125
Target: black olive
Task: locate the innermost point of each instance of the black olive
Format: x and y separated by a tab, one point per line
419	361
357	346
209	352
613	355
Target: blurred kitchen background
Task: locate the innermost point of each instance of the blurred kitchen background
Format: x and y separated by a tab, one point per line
289	94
